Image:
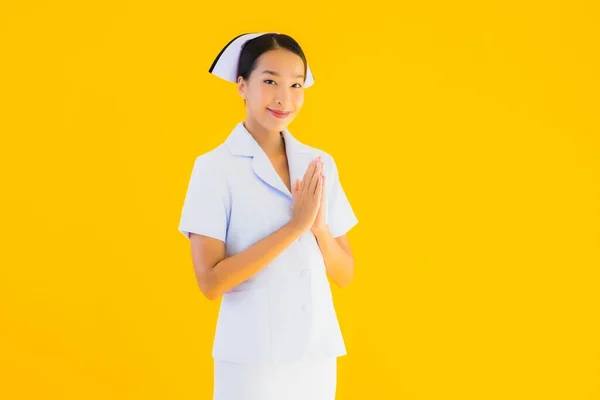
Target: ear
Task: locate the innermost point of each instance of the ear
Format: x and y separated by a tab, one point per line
241	87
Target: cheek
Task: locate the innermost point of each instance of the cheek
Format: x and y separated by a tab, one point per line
263	95
259	97
298	99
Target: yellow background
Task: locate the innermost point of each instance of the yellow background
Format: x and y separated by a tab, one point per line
467	137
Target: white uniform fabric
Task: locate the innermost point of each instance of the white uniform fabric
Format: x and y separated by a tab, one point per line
308	379
285	312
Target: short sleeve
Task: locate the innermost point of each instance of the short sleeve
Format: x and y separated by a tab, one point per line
206	205
340	216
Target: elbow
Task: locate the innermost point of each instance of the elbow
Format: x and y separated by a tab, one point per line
208	284
209	291
212	296
343	283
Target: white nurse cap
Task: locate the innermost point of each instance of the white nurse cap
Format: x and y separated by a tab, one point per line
226	63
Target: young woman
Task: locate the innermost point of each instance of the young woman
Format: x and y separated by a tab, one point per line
267	217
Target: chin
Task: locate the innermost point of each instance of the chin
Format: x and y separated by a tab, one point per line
277	125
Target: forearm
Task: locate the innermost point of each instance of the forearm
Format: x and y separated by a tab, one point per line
338	262
232	271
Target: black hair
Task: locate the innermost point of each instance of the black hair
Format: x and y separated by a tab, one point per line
254	48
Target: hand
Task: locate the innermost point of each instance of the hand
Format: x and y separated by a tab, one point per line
307	196
320	222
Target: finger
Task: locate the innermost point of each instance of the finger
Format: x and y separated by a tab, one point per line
312	183
314	171
319	189
310	170
321	172
324	194
300	193
307	190
316	178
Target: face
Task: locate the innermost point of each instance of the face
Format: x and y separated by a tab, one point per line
277	84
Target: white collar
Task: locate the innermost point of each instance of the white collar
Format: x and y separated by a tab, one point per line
241	143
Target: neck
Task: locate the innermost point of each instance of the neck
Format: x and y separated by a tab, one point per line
271	142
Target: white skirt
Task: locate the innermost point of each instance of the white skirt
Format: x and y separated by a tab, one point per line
304	380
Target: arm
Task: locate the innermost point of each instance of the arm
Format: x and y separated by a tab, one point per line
204	219
217	274
339	261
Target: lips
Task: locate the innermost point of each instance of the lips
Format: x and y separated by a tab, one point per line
278	114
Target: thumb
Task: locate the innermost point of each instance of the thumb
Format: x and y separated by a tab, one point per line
324	195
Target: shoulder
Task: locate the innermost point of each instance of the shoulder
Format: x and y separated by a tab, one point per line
210	167
213	163
215	157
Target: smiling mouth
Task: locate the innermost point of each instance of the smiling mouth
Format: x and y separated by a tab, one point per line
279	114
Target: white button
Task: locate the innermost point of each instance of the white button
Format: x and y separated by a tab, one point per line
306	308
304	272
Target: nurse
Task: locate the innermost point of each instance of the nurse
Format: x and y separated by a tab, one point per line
267	218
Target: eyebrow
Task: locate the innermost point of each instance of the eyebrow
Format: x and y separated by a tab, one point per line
266	71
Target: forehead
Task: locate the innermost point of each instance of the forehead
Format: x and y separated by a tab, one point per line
282	61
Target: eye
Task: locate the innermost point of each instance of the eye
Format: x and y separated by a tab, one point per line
268	80
299	85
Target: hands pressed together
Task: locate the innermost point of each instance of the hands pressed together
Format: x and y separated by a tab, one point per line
309	198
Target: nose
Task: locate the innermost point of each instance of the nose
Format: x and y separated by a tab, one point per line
283	98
